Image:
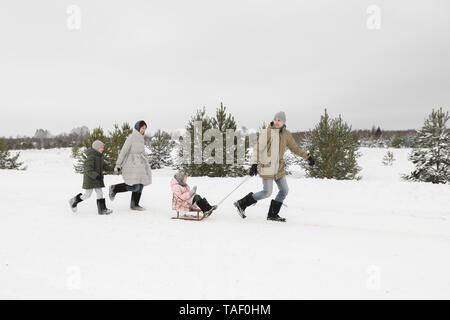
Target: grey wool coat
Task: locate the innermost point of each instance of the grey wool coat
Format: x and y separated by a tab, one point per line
133	161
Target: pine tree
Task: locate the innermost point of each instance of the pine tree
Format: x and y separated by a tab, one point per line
191	168
160	146
431	157
289	160
8	161
3	146
334	147
388	158
80	156
116	141
378	133
222	121
397	141
75	150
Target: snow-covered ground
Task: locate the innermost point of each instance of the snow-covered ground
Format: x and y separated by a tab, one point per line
380	238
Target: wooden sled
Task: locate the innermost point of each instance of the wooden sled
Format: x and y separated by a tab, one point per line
198	216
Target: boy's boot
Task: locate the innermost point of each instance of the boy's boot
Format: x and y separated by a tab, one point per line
75	201
102	209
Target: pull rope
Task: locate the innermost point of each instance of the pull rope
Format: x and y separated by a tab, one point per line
240	184
243	181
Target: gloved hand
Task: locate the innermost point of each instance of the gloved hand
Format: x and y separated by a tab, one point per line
311	161
117	169
193	191
253	170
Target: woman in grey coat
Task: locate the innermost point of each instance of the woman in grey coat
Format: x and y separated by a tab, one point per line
132	163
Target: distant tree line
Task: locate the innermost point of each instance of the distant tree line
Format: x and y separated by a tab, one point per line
332	143
43	139
378	138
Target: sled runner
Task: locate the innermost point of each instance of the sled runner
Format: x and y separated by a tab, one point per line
197	216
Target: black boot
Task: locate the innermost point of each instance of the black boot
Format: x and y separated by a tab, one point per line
204	205
242	204
117	188
75	201
135	198
274	210
102	209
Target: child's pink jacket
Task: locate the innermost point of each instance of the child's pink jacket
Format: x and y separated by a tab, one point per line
181	198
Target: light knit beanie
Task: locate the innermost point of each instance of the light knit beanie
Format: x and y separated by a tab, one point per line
281	115
97	144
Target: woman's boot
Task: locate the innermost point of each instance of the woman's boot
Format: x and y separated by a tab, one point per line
117	188
135	198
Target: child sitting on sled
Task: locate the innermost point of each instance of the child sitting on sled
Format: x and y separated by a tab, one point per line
185	197
94	167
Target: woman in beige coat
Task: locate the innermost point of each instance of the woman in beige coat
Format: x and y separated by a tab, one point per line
132	163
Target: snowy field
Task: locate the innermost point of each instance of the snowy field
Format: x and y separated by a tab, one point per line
378	238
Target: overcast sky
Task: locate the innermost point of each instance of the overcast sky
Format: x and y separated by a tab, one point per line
161	60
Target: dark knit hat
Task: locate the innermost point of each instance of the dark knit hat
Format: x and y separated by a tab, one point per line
139	125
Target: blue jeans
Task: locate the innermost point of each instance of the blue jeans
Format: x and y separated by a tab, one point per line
283	189
135	188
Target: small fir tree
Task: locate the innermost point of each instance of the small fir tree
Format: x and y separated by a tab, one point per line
334	147
431	157
397	141
116	141
80	156
388	158
222	121
8	161
191	168
160	145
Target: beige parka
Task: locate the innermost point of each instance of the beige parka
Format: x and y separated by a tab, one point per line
269	158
